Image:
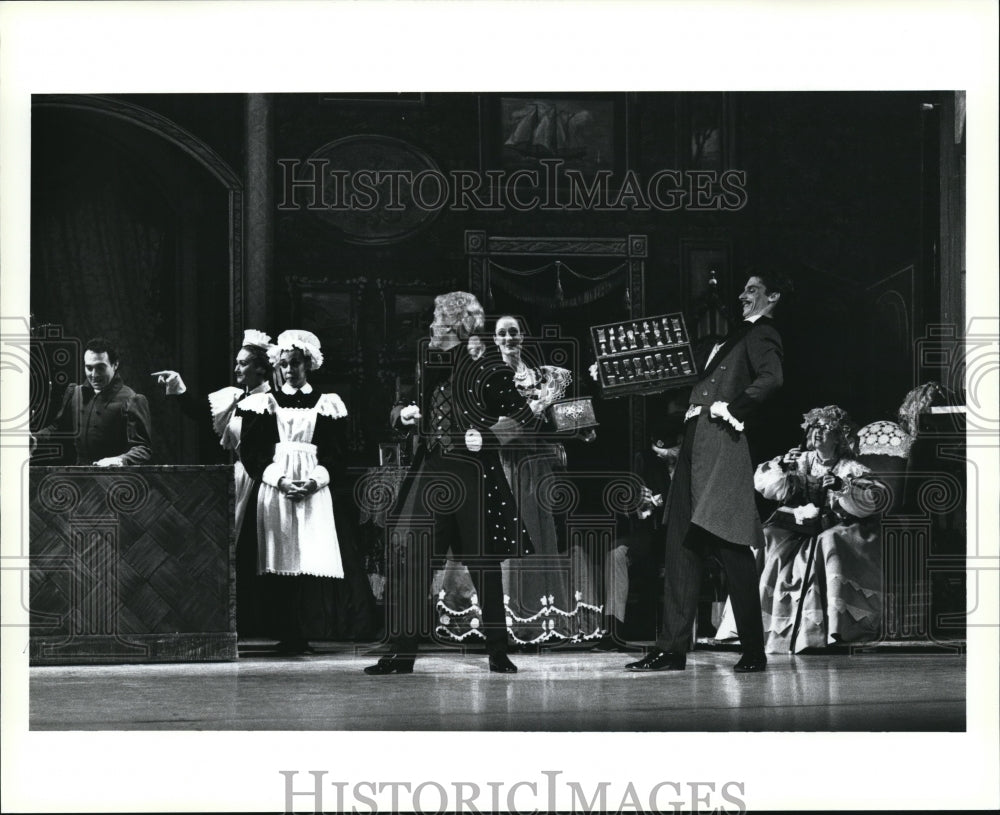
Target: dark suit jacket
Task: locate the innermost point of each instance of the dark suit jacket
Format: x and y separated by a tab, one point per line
114	422
745	371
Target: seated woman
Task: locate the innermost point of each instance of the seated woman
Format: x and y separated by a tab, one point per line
821	579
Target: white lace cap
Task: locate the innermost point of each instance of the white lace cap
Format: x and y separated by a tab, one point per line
256	339
299	338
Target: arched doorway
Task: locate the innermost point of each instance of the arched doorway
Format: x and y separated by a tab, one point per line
136	231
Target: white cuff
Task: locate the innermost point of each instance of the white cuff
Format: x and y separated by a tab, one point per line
272	475
321	476
721	410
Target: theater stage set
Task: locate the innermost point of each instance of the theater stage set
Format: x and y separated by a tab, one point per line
173	222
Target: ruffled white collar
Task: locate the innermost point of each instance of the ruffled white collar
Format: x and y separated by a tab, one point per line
288	390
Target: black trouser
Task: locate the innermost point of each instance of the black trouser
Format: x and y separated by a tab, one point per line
429	523
248	582
682	587
410	608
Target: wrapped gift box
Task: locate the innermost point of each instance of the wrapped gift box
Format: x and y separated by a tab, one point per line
573	414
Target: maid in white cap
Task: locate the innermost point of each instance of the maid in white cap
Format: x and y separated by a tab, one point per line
293	443
252	372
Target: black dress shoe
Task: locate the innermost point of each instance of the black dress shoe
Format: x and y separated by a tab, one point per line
659	661
500	664
751	664
393	663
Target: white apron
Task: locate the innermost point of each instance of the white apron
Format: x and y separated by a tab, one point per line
297	537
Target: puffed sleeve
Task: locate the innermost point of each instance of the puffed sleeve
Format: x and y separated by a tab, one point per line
137	431
776	483
221	405
765	352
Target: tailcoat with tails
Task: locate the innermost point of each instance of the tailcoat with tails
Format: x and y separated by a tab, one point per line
713	487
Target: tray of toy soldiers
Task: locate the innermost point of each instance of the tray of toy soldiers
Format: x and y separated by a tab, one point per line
642	356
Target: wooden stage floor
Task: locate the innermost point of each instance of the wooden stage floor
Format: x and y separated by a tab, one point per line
885	690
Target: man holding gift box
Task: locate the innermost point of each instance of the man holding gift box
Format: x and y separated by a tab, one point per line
711	508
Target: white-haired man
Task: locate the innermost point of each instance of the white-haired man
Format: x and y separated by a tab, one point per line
456	489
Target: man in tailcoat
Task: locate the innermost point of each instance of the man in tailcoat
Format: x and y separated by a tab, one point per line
711	509
456	489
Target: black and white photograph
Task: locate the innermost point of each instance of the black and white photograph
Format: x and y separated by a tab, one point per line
599	430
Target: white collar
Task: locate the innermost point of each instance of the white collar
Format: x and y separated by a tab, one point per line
288	389
718	345
263	387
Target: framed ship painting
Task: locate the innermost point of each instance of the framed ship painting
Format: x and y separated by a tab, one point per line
582	132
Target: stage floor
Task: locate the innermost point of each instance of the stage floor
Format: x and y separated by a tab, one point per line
887	690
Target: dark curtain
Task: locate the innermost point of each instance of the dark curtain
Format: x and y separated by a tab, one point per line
123	231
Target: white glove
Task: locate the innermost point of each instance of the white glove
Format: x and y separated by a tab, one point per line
111	461
645	503
473	440
720	410
174	384
409	415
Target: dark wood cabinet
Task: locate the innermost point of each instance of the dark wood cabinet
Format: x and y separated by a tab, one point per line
132	564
